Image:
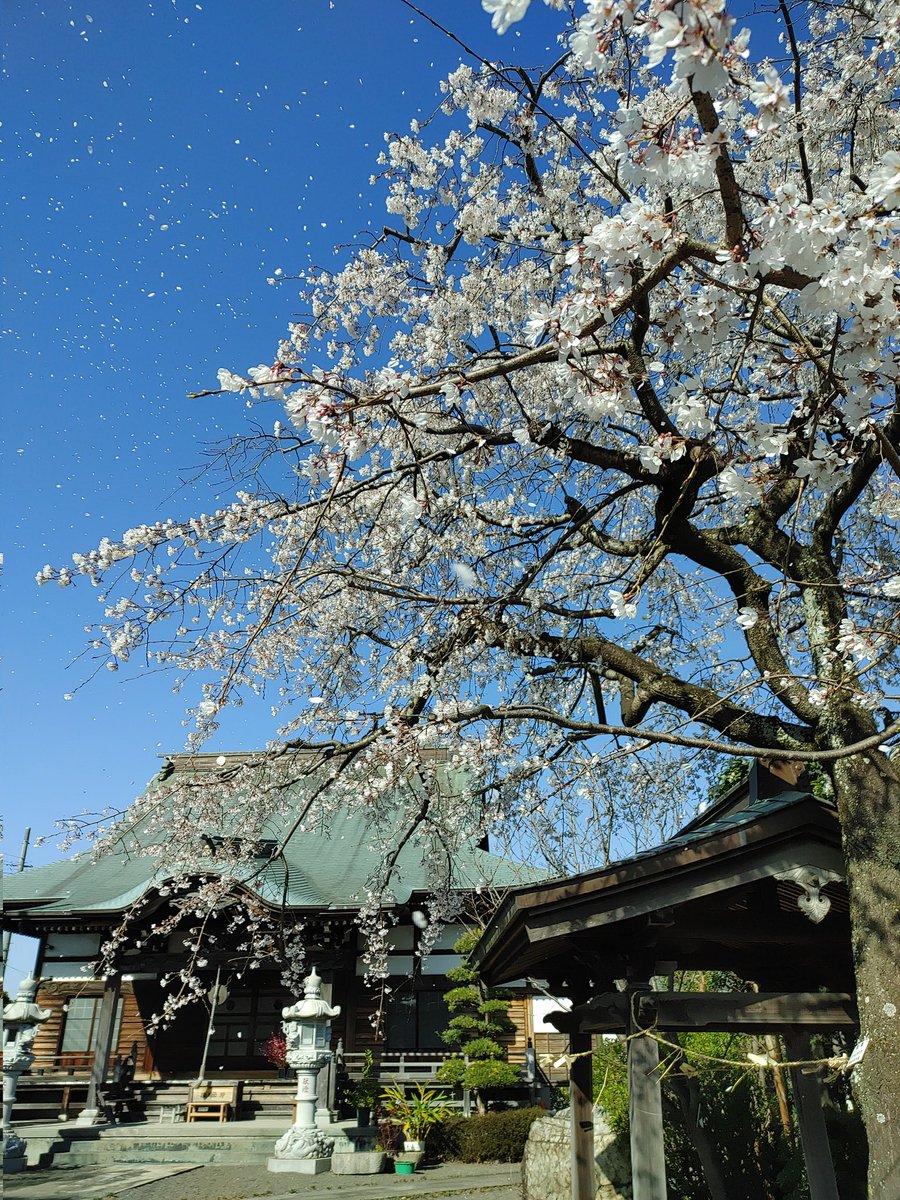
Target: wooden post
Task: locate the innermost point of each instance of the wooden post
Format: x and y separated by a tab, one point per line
811	1120
648	1156
581	1118
109	1004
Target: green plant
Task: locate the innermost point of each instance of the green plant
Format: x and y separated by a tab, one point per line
738	1115
388	1137
416	1111
479	1018
486	1137
365	1091
737	769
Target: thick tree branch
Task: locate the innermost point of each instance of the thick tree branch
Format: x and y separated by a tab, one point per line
532	712
728	186
652	684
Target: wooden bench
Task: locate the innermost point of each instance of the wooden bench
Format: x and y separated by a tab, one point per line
213	1101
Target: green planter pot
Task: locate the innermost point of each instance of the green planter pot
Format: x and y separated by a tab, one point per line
404	1168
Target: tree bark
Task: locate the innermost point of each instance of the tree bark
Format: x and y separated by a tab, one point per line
867	788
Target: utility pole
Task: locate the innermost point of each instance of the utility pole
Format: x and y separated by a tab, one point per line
21	867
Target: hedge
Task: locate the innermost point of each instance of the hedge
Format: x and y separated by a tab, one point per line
488	1137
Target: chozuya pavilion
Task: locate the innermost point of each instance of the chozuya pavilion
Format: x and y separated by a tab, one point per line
753	886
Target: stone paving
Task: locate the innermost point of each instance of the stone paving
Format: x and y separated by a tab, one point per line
447	1181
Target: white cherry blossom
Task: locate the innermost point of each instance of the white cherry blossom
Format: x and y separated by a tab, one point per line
596	439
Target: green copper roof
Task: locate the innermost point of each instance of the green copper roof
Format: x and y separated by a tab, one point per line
326	865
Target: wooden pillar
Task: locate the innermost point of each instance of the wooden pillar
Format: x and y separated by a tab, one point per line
581	1118
326	1079
648	1157
109	1003
811	1120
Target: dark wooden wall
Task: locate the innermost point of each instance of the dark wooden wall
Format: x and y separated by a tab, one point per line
54	995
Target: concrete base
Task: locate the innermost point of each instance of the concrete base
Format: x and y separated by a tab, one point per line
299	1166
359	1162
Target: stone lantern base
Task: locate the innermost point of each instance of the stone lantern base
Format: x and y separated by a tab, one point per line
303	1151
299	1166
14	1159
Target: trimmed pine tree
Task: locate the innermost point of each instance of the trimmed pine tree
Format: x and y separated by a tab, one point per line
479	1019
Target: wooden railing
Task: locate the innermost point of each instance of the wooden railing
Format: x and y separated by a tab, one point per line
404	1066
411	1065
71	1063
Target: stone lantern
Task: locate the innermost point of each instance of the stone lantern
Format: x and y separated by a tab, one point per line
307	1030
20	1021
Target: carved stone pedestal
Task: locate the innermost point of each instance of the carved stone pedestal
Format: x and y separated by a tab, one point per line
302	1151
14	1148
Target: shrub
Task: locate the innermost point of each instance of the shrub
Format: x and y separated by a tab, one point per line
738	1113
416	1111
444	1141
485	1137
274	1050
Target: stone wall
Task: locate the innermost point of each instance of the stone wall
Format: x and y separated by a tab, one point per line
546	1168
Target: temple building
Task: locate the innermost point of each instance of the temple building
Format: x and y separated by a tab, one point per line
306	888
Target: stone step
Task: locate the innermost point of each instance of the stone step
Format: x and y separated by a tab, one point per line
220	1144
46	1098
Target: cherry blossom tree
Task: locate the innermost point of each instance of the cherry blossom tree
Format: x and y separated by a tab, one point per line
591	453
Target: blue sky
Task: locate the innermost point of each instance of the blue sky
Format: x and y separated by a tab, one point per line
162	159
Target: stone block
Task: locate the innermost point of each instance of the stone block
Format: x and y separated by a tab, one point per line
359	1162
299	1166
547	1170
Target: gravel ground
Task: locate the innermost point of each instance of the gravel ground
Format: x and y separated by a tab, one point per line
450	1182
241	1183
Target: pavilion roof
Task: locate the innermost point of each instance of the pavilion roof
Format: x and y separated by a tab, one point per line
709	898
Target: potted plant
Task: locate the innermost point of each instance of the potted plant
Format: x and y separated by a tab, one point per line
416	1112
388	1137
364	1092
274	1050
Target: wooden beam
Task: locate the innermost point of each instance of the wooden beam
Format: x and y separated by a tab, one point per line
811	1119
91	1113
640	888
645	1119
742	1012
581	1118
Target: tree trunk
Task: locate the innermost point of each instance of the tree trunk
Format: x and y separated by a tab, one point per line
687	1094
868	795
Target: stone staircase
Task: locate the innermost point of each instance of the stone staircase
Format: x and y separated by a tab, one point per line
50	1099
46	1109
234	1143
71	1146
